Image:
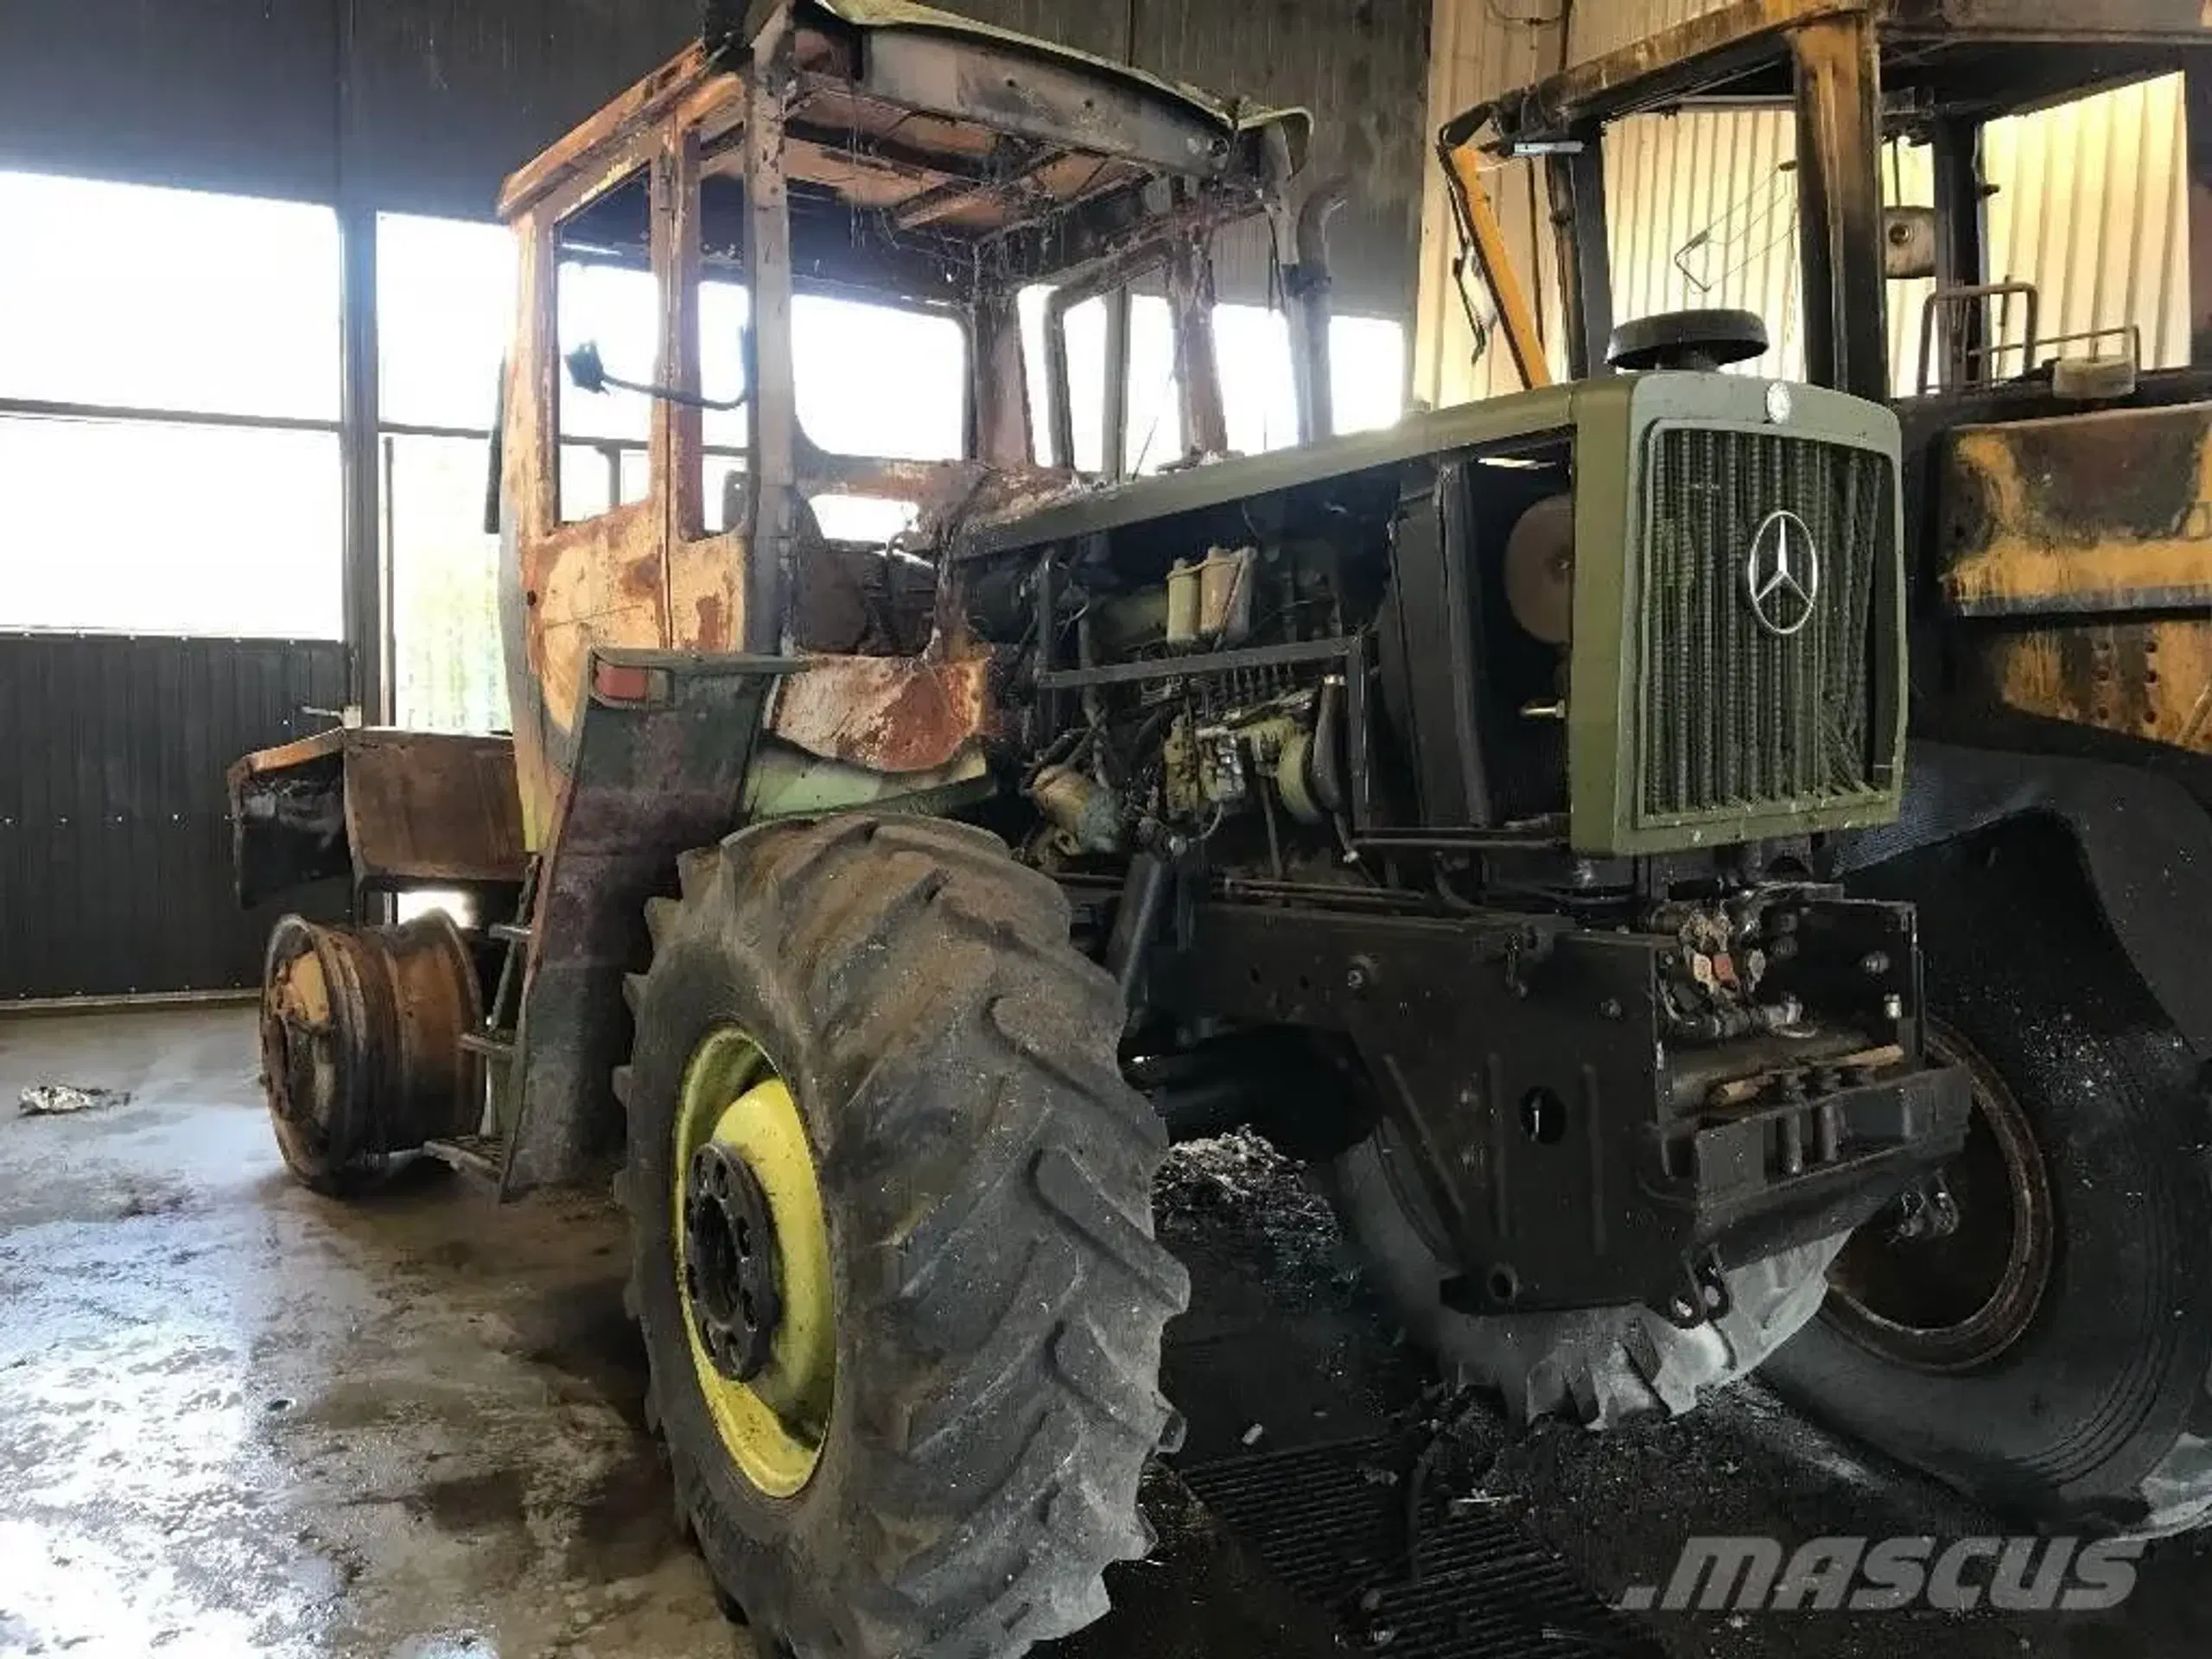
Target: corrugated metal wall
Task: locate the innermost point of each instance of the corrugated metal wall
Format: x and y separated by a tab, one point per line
2093	206
1701	213
115	837
1601	25
2089	205
1478	49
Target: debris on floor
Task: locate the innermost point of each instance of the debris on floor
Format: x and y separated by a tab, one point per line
1239	1183
56	1099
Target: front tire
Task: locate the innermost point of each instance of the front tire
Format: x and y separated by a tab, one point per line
1600	1367
961	1451
2049	1356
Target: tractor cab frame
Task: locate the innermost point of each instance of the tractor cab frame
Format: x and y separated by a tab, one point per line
868	149
1855	73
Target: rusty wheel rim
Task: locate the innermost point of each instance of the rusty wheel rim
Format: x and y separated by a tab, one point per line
1956	1303
300	1046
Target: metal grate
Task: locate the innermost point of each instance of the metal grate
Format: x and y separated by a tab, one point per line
1735	716
1324	1524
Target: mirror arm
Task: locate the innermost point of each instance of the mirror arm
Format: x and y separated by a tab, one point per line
588	373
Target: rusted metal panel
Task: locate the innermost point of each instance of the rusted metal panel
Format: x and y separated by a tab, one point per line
2106	511
2068	19
889	714
389	808
656	774
2091	535
2150	679
600	582
432	806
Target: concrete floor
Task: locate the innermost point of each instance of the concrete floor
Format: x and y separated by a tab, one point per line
236	1419
240	1420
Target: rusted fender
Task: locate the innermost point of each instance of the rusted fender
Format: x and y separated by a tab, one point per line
888	714
394	808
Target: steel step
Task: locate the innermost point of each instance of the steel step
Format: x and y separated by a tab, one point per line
483	1156
510	932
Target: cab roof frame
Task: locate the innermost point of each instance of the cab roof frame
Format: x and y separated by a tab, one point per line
922	151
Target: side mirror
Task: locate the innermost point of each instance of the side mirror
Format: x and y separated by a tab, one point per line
590	374
585	370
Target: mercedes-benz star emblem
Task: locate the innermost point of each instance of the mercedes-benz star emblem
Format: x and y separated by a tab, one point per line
1782	576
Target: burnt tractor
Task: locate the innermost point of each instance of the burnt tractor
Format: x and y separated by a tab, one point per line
1450	802
2034	1324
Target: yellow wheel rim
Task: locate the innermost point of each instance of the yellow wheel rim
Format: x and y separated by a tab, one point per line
772	1422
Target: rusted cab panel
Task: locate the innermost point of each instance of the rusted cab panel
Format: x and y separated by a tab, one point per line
872	147
887	714
391	809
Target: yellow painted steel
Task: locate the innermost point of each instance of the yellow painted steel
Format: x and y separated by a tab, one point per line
1485	241
771	1426
2049	515
2148	678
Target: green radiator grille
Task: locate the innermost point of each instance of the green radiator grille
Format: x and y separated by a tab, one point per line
1735	716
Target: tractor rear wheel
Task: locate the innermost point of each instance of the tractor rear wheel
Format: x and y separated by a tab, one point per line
2038	1335
893	1251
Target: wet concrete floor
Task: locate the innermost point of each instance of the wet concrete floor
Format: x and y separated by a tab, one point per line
240	1420
237	1418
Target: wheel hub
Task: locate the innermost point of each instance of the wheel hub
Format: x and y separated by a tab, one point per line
730	1281
1949	1277
752	1263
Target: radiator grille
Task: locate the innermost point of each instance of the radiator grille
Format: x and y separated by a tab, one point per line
1733	717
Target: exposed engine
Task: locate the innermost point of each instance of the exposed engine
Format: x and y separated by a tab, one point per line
1211	726
1217	738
